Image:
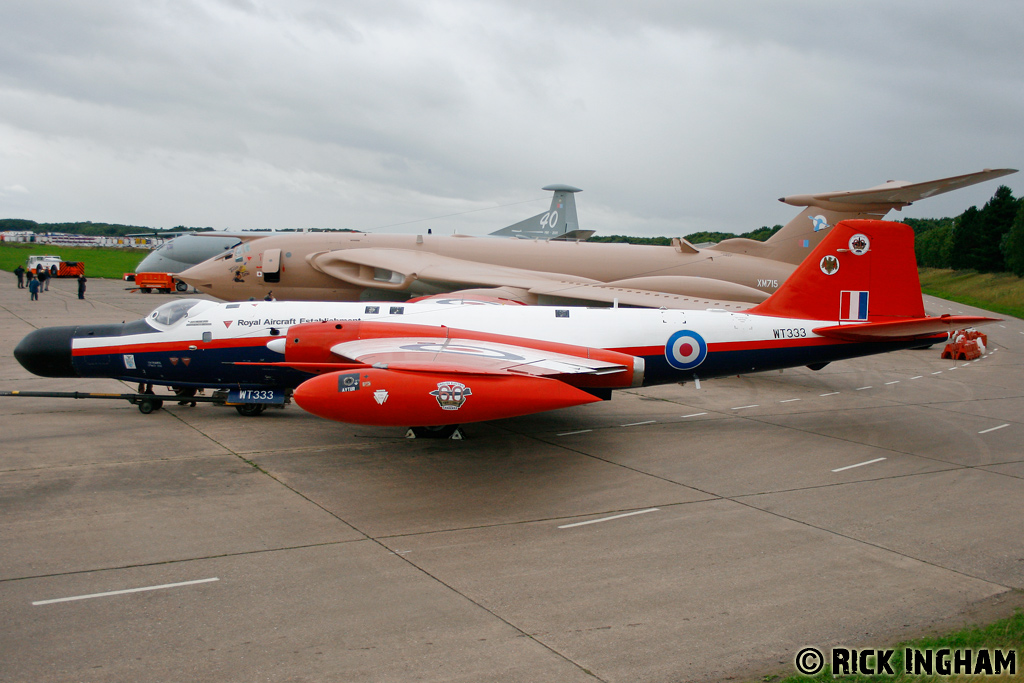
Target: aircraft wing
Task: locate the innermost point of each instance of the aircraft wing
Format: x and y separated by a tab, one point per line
430	380
470	357
902	329
398	268
892	194
362	267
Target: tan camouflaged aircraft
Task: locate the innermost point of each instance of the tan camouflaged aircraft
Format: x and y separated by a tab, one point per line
549	263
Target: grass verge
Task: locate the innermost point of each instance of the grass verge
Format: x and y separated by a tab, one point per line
99	261
1005	634
999	292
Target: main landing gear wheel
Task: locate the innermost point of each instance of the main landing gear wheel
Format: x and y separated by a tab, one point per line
251	409
439	432
180	286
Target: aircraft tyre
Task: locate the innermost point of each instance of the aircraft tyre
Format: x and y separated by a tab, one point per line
440	432
251	409
180	286
148	405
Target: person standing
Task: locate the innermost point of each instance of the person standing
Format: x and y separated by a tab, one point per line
33	288
81	286
44	278
20	272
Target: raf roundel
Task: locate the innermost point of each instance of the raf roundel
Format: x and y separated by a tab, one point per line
685	350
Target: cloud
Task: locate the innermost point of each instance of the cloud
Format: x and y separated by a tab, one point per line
673	117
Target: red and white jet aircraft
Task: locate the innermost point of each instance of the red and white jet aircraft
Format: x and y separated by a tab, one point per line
439	363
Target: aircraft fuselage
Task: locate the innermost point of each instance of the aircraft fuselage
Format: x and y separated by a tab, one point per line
302	276
205	344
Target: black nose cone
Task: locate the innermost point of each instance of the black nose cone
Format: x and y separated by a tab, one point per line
47	352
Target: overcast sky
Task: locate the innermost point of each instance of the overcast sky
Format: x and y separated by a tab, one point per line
672	116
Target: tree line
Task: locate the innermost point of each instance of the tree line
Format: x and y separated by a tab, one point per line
118	230
88	228
761	234
987	240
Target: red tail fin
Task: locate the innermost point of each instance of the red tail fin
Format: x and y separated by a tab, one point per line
863	271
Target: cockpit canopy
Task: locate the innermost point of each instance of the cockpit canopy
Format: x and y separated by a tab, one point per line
173	312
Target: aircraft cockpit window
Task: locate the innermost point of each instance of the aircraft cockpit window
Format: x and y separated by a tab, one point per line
240	251
173	312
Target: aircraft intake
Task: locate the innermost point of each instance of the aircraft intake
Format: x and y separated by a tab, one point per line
378	396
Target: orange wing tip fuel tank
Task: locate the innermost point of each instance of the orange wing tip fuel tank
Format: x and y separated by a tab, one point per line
384	397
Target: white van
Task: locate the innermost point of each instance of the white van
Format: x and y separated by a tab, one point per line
44	261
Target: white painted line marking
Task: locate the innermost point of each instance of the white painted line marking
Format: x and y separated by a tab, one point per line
861	388
860	464
937	372
742	407
789	400
954	367
634	424
1003	326
606	519
918	377
582	431
895	381
694	415
128	590
986	431
832	394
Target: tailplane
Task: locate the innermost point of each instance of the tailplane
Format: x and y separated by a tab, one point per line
801	235
862	271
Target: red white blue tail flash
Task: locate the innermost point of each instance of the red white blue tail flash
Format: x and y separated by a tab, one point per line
853	307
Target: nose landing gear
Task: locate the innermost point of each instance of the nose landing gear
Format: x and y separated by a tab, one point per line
148	405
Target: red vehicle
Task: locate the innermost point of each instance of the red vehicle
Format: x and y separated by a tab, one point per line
164	283
55	267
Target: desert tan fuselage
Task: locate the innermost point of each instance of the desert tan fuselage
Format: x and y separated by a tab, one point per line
347	266
731	275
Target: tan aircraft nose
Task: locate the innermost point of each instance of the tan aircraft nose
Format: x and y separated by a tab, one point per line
203	275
